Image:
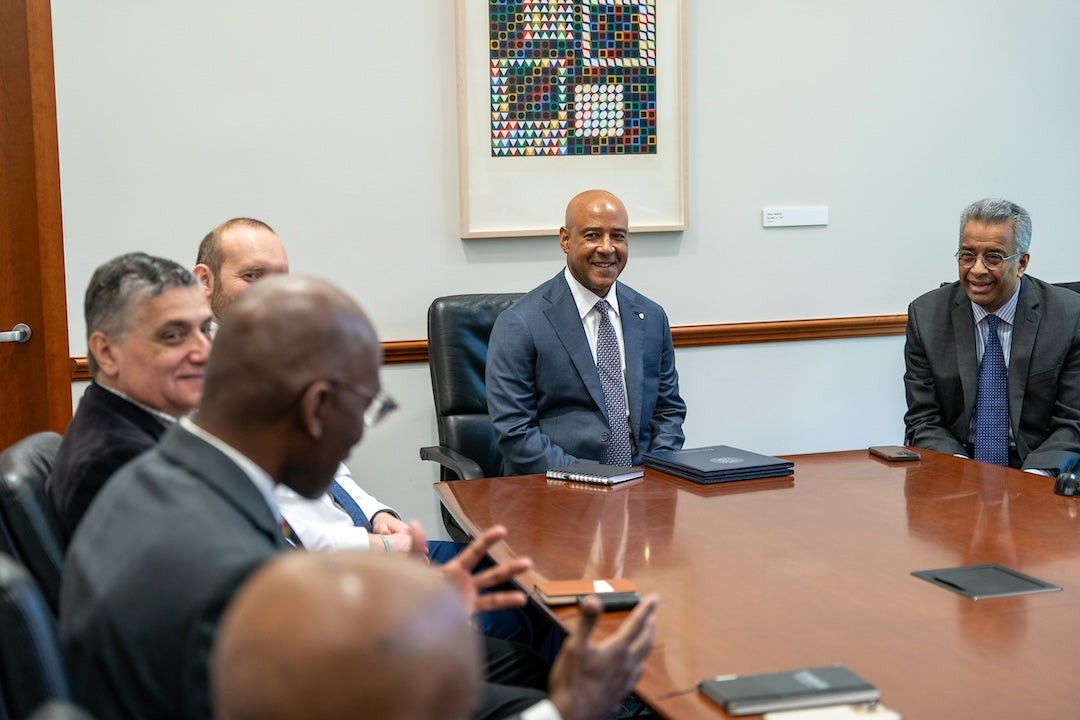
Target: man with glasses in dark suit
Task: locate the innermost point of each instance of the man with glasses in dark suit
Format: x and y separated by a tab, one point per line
232	258
993	360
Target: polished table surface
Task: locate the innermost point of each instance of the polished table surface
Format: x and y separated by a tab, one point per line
768	575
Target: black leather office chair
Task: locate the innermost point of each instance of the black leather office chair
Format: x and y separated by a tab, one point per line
459	327
60	710
31	666
27	512
7	545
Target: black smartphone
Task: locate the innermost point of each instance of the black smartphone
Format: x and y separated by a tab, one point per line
894	453
615	601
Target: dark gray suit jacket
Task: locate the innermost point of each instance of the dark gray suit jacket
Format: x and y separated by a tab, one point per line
544	394
149	572
942	373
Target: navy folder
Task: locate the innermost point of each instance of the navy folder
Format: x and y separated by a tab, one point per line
717	463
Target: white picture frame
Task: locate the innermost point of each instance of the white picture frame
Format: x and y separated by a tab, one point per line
525	196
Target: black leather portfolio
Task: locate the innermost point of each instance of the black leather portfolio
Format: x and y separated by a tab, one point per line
717	463
789	690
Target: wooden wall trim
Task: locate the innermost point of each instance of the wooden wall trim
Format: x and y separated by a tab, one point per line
399	352
788	330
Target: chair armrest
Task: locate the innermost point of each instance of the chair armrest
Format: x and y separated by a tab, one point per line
455	462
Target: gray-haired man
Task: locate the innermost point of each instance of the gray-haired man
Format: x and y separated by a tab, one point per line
993	360
147	321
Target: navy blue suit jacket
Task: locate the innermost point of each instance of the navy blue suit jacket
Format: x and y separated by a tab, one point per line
942	373
543	391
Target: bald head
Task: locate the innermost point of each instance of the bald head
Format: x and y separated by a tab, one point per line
587	202
294	367
336	635
595	239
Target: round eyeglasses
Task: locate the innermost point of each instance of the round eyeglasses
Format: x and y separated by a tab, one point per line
991	260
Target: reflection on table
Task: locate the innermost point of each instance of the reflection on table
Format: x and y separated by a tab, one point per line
759	576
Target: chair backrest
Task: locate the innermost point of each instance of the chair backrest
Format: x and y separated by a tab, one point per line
60	710
28	514
31	665
7	545
459	327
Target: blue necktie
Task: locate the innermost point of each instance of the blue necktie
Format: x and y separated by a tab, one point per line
345	502
992	402
609	366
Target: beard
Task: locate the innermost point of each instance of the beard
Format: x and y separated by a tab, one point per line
219	301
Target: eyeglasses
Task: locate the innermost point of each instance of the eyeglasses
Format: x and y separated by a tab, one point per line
990	260
381	405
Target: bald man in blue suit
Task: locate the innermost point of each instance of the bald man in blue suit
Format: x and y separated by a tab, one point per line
545	397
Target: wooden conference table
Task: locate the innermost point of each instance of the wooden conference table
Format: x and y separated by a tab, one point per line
768	575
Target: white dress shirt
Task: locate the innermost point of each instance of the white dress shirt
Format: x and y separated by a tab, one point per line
321	524
586	300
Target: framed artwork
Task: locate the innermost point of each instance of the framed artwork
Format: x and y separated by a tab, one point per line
559	97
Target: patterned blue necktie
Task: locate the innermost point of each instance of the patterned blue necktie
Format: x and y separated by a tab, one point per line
992	402
609	366
345	502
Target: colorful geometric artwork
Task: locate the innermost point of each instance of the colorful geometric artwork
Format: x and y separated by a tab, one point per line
572	78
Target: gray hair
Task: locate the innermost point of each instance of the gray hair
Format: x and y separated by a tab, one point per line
117	285
996	211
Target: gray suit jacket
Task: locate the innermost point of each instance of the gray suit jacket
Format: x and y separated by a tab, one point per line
942	373
544	394
149	572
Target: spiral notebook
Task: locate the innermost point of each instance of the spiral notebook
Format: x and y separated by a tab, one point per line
595	473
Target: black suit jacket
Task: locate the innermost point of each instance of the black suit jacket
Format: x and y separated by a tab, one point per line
106	432
942	373
149	572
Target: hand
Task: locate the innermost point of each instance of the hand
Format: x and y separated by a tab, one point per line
459	573
396	531
400	542
590	679
387	524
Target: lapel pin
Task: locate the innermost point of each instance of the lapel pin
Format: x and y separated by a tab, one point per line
641	316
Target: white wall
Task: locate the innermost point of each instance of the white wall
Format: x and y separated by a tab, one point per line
335	122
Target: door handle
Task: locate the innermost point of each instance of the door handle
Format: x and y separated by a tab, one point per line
20	334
